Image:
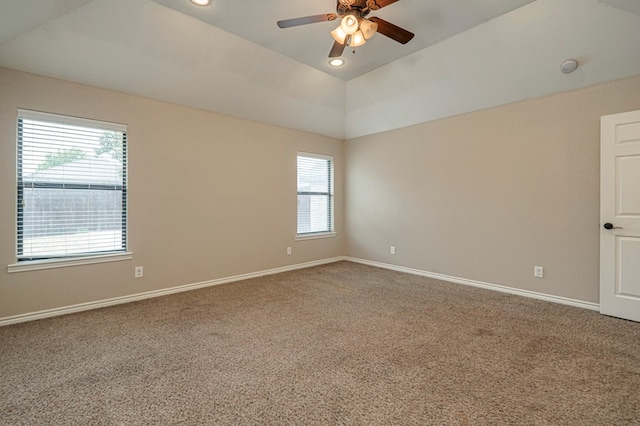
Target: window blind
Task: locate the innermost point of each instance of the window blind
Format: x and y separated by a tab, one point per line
315	194
72	186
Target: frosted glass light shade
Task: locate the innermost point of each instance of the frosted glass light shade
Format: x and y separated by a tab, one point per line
339	35
357	39
368	28
349	24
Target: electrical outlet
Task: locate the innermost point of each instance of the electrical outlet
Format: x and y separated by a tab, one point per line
393	250
538	271
139	272
288	251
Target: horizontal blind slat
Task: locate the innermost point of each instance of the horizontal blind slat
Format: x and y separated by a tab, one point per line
315	194
71	185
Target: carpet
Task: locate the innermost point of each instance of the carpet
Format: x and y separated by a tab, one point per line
342	343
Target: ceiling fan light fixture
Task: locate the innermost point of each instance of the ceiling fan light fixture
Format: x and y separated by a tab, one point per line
339	35
357	39
349	23
368	28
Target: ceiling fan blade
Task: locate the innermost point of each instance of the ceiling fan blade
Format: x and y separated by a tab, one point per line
382	3
336	50
392	31
294	22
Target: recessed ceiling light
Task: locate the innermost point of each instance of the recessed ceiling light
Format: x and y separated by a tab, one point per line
336	62
201	2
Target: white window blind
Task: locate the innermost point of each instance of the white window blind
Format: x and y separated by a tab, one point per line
72	187
315	194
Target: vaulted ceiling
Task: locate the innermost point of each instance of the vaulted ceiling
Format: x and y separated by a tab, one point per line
431	21
230	57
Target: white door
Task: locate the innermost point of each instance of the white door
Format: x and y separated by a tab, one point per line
620	215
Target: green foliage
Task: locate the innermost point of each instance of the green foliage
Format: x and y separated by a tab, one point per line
63	156
110	143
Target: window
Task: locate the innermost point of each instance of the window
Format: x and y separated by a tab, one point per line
72	187
315	194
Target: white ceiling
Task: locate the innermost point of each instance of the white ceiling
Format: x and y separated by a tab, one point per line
467	55
431	21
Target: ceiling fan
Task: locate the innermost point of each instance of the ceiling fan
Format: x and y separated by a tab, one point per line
355	29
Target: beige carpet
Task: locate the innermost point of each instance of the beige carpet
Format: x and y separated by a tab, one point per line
336	344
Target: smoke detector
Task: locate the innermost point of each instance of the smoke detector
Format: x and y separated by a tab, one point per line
569	66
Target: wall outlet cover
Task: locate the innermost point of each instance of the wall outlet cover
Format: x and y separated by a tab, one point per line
538	271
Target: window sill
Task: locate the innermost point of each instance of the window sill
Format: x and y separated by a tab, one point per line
34	265
315	236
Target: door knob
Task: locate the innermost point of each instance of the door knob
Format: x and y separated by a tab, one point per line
610	226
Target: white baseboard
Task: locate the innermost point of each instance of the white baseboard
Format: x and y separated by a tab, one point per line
488	286
156	293
172	290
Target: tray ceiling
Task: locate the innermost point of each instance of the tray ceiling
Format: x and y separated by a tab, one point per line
431	21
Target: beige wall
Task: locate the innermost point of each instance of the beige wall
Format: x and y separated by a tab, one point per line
210	196
487	195
483	196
